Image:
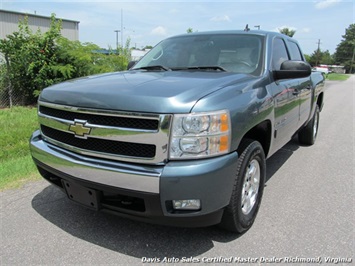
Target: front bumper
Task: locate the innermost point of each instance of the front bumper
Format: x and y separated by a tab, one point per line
143	192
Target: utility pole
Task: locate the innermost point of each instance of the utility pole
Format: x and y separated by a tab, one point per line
318	52
117	31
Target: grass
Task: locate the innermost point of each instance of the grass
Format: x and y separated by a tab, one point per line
16	127
336	76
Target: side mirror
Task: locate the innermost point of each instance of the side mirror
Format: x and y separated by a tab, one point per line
292	69
131	64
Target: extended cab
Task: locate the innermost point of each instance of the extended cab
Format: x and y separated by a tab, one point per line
181	138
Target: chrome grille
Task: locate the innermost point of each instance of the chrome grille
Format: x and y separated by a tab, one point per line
122	136
101	145
115	121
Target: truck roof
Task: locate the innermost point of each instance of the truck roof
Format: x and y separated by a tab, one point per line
251	32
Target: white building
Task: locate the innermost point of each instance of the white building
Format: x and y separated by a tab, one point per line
9	23
138	54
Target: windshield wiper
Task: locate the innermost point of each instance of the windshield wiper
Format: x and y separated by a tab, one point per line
201	68
157	67
164	68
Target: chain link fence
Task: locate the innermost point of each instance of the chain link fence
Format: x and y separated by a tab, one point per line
9	98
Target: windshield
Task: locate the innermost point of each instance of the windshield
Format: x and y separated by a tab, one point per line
230	52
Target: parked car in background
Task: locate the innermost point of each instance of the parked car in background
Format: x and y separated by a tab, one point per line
323	69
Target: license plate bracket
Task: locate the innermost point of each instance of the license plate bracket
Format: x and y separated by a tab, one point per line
82	195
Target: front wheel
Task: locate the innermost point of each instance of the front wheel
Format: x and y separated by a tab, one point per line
248	188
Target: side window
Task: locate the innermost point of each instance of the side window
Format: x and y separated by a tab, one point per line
295	51
279	53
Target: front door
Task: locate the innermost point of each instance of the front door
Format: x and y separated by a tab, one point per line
286	98
286	110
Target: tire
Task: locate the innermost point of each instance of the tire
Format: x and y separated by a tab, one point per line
247	193
308	134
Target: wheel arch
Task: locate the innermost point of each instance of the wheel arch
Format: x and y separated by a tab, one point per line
261	133
320	100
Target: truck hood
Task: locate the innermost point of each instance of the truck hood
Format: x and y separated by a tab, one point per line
141	91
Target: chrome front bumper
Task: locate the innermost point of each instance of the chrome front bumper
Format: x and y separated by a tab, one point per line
126	176
154	186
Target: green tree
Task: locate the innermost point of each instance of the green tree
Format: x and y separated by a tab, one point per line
307	57
345	51
191	30
287	31
33	61
29	58
77	60
327	58
319	57
148	47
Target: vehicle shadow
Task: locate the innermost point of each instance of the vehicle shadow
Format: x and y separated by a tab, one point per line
125	236
274	163
132	238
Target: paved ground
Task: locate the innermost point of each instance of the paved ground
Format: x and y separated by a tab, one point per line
307	212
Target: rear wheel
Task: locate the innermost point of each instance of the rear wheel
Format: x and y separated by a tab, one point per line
308	134
248	188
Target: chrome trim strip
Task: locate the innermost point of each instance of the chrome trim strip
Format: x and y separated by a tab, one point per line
159	137
99	111
133	177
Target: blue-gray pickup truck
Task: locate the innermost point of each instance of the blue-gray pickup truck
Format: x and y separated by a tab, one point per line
181	138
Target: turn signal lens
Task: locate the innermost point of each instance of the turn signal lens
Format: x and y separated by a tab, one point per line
223	144
224	123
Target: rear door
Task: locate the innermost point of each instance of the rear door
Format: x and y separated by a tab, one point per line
304	86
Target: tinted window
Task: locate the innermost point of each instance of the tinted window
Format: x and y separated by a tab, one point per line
234	52
279	53
295	51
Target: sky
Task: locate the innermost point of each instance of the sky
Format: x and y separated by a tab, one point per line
317	22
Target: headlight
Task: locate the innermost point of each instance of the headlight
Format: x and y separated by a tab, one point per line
200	135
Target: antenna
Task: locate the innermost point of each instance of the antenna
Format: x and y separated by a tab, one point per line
246	28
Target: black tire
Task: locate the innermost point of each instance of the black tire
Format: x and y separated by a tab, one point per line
237	217
308	134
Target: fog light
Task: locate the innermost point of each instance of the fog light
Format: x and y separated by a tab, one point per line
192	204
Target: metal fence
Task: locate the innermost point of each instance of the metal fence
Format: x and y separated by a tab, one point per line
9	98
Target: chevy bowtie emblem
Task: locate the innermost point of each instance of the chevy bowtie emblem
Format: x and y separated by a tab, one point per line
79	129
